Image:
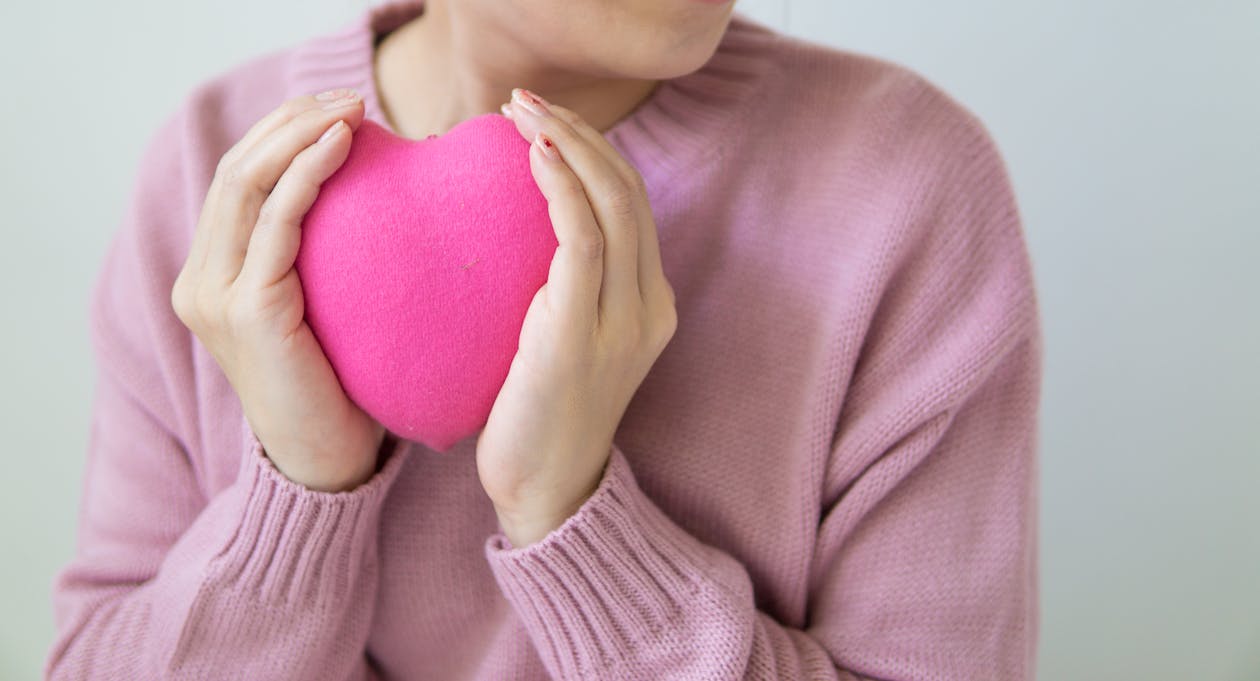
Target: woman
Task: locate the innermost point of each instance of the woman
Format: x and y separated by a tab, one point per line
774	417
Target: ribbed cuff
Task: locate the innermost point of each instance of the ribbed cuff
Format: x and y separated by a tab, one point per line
608	588
297	543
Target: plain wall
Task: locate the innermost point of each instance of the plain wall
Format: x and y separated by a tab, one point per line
1130	130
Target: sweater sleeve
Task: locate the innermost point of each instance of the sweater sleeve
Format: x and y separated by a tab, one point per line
924	556
264	579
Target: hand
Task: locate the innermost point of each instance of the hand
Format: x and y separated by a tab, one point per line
590	335
239	294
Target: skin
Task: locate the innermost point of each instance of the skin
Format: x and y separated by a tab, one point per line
460	58
591	333
239	294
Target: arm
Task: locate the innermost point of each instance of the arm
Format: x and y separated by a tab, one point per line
266	578
924	562
924	568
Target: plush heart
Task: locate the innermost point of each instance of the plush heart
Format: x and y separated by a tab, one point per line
418	261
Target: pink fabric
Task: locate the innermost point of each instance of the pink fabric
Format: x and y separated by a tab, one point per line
418	262
829	473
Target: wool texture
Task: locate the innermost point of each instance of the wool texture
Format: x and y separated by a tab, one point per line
418	262
830	472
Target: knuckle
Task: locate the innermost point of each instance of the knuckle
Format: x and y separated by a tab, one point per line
636	181
591	246
226	161
242	178
570	189
230	172
620	200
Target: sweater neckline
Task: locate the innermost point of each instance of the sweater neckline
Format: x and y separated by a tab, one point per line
681	122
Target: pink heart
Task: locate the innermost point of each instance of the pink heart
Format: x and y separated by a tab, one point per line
418	262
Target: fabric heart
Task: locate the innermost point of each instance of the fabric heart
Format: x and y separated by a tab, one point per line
418	262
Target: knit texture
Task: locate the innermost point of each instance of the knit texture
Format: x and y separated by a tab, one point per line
418	262
829	473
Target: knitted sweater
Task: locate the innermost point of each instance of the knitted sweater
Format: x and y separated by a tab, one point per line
829	473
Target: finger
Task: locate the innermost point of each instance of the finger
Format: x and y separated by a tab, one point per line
651	278
289	109
284	113
273	245
277	117
245	185
612	201
586	130
577	268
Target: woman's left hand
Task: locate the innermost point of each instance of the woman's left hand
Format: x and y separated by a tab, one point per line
590	335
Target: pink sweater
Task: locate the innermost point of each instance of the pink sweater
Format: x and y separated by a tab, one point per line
830	472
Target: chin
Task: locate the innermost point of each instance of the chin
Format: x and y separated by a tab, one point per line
613	39
662	54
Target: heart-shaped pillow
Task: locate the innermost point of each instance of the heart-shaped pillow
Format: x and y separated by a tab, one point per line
418	261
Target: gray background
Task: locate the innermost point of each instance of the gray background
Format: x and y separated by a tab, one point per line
1129	130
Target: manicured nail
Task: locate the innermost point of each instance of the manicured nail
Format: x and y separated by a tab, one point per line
547	147
507	110
335	93
532	102
347	100
332	131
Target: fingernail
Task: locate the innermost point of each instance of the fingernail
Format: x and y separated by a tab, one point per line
532	102
547	147
335	93
507	110
332	131
346	100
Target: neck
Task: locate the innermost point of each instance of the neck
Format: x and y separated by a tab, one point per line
447	65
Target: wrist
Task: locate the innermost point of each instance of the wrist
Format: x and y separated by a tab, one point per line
323	479
524	527
338	471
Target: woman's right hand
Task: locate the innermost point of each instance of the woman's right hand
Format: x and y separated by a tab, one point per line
240	295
